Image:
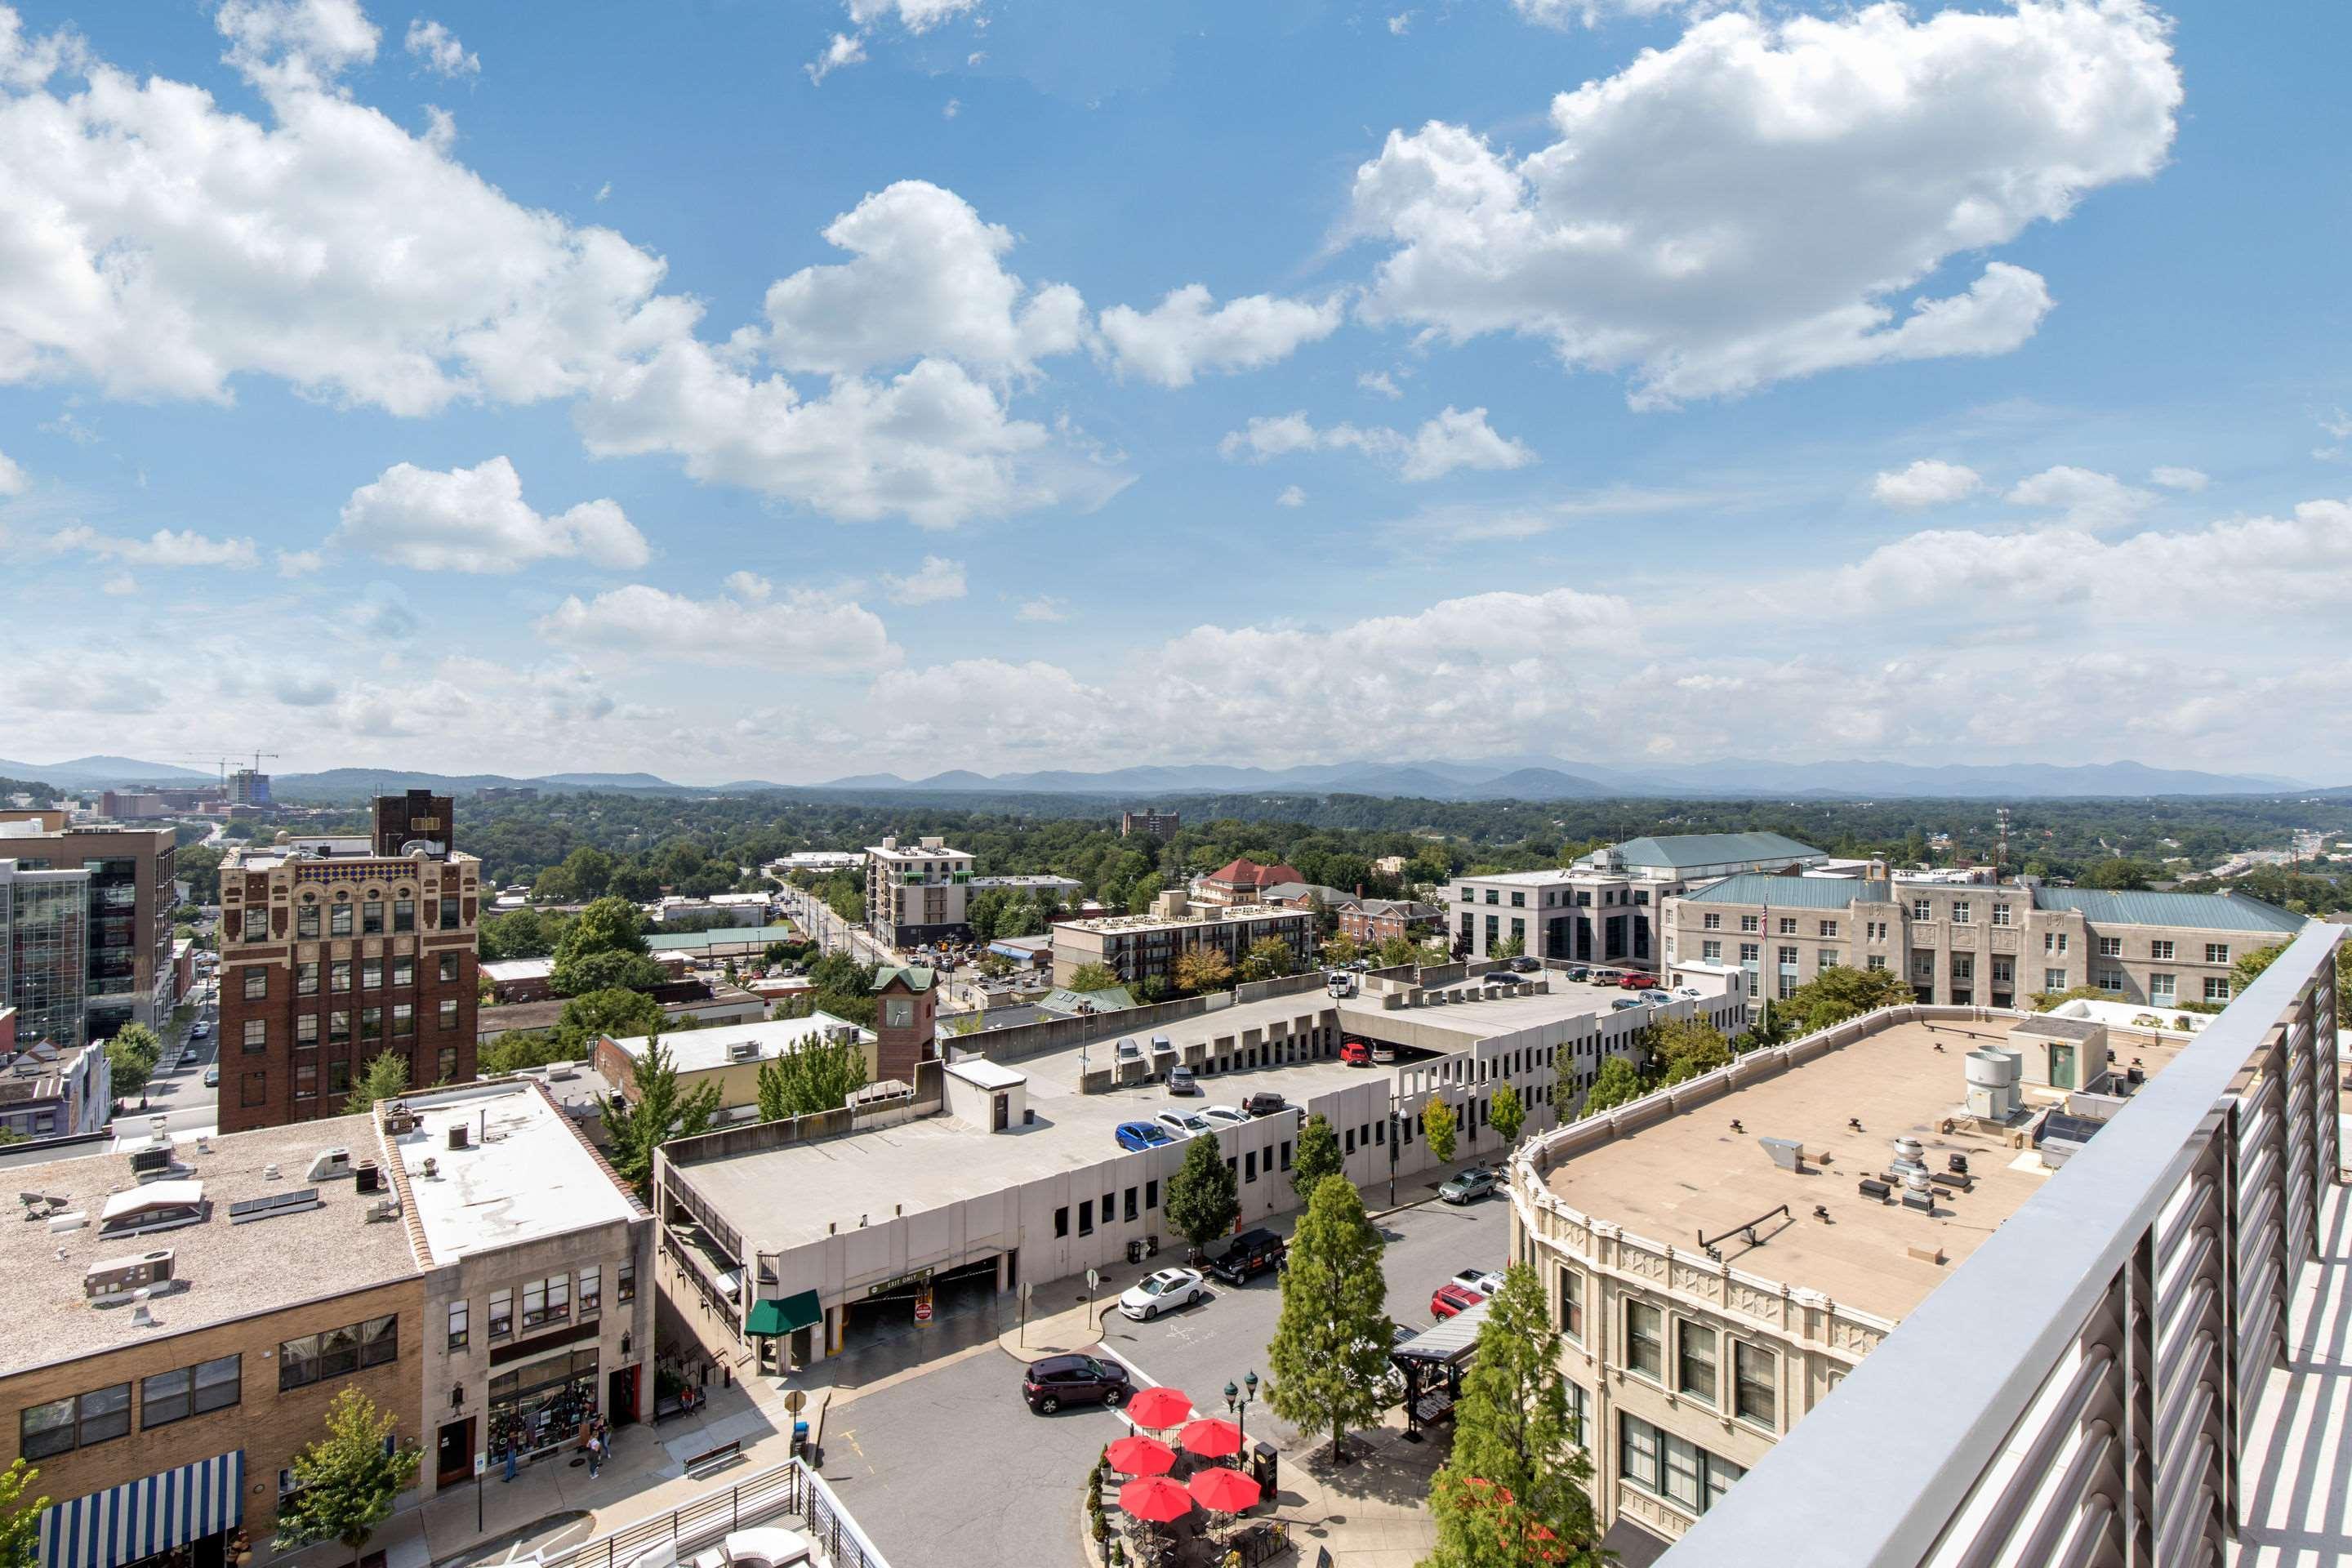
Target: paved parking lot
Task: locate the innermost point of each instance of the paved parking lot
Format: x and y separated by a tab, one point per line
953	1454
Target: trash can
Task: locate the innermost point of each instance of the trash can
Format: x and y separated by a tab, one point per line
1135	1250
799	1439
1262	1467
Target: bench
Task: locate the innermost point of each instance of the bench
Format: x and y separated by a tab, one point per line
712	1458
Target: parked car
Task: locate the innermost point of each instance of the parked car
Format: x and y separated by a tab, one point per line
1622	1003
1689	992
1181	1082
212	1076
1266	1102
1143	1135
1654	995
1469	1185
1250	1253
1162	1292
1356	1054
1060	1380
1485	1281
1449	1299
1525	964
1604	976
1635	980
1184	1123
1225	1115
201	1030
1580	974
1128	1051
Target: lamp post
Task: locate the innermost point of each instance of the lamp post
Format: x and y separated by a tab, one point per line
1239	1400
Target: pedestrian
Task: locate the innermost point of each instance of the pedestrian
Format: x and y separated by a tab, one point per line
511	1459
596	1456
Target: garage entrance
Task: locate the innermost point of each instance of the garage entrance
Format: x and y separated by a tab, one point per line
888	1312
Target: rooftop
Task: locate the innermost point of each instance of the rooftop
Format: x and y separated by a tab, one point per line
1689	1174
2185	912
1206	915
223	1270
927	849
691	941
1677	850
522	1173
701	1050
513	968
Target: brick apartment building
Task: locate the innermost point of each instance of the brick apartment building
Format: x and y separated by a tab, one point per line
336	950
1159	824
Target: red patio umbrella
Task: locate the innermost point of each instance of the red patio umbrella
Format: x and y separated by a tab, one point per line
1212	1438
1141	1456
1158	1408
1155	1499
1223	1490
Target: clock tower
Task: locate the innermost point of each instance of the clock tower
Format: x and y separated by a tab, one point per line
905	1027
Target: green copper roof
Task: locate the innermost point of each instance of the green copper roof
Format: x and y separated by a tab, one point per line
917	977
1683	850
2188	911
1785	892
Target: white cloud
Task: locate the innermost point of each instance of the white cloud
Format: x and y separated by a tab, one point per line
121	585
1399	24
300	562
296	42
915	15
604	191
846	49
164	547
1188	332
2188	480
12	478
950	109
475	520
1926	483
1291	496
436	49
1760	200
1044	607
1564	13
1380	384
1454	439
926	279
937	578
2083	497
799	629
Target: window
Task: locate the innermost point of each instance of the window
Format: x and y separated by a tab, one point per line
1710	952
253	1092
1788	926
1827	958
404	1019
305	1081
1711	921
403	972
2054	979
546	1300
1878	960
339	1026
2111	979
1086	1216
458	1332
371	918
372	975
1788	957
306	1029
2217	988
370	1023
404	914
305	980
1748	952
625	1281
1152	1194
1755	1384
501	1313
338	1352
339	920
1751	922
1572	1305
175	1395
1963	912
2160	950
1494	897
339	974
1646	1349
2000	913
306	922
1669	1466
1469	895
592	1288
2004	972
1829	928
448	914
1921	909
256	1034
1518	900
448	1015
2217	953
2111	947
1249	1173
2163	987
1694	1362
63	1425
256	983
448	968
1348	1141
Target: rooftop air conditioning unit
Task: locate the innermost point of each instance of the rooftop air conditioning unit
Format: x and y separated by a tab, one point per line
330	1163
110	1278
460	1133
383	1209
744	1051
367	1176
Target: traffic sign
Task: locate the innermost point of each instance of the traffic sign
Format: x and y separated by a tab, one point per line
795	1400
1094	1281
923	1308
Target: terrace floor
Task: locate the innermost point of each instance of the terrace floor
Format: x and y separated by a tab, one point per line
2297	1472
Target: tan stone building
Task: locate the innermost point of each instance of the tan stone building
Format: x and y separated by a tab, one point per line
1139	948
1965	945
730	1055
1719	1255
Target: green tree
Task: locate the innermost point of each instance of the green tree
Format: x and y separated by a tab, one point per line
1202	1197
1516	1492
2250	966
604	949
385	1076
1204	969
20	1522
1341	950
520	1049
130	1070
345	1483
1319	1156
1092	977
1268	958
1439	1125
1615	1085
1399	950
1509	947
820	1075
1331	1350
2115	873
1142	890
1837	994
622	1014
1686	1047
1508	1114
662	1111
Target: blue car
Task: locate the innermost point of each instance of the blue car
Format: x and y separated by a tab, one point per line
1142	1136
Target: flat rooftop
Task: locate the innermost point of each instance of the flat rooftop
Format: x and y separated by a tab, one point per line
223	1270
523	1172
1210	914
1690	1174
700	1050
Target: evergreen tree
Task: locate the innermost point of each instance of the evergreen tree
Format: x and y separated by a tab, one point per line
1439	1125
1203	1196
661	1114
819	1076
1319	1156
1330	1349
385	1076
1615	1084
1515	1493
345	1483
1508	1114
20	1522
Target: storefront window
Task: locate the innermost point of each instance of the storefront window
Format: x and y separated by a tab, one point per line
542	1404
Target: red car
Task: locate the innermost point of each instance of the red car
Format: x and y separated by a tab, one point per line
1356	1054
1635	980
1452	1298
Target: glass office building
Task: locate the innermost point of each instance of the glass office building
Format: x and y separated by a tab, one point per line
44	942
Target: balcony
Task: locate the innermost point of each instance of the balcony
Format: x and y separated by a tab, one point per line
2146	1364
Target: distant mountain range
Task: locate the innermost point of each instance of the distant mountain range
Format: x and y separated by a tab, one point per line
1527	778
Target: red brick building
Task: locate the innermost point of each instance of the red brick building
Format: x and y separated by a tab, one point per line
1370	921
1242	882
334	952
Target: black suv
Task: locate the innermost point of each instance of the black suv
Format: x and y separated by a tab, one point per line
1060	1380
1252	1252
1266	1102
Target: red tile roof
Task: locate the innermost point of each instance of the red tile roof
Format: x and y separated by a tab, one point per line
1247	873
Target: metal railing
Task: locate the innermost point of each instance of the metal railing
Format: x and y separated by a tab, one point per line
2078	1393
790	1488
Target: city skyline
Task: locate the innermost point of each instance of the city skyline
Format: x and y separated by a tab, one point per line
804	392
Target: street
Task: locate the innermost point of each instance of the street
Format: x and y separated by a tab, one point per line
179	1094
1009	1489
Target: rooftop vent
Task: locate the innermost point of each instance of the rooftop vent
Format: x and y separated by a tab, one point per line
276	1204
158	1206
1787	1152
748	1050
367	1176
383	1209
110	1279
330	1165
459	1134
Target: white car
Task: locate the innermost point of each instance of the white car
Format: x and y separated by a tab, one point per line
1223	1116
1690	993
1485	1281
1163	1292
1186	1123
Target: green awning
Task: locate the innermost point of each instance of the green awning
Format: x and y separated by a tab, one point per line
770	1317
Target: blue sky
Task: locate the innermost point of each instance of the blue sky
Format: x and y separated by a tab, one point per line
793	389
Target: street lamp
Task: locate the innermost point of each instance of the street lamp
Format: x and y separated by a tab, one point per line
1239	1400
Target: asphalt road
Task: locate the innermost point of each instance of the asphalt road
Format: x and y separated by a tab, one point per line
179	1095
953	1453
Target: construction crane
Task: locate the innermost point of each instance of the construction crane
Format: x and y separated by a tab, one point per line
220	764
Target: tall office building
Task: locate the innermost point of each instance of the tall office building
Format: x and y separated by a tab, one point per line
336	950
126	949
248	787
44	925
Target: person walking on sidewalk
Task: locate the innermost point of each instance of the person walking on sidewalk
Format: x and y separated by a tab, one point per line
512	1459
595	1457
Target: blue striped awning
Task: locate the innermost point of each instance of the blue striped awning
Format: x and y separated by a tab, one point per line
141	1518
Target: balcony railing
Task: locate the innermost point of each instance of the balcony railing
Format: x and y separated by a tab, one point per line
2079	1394
790	1489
